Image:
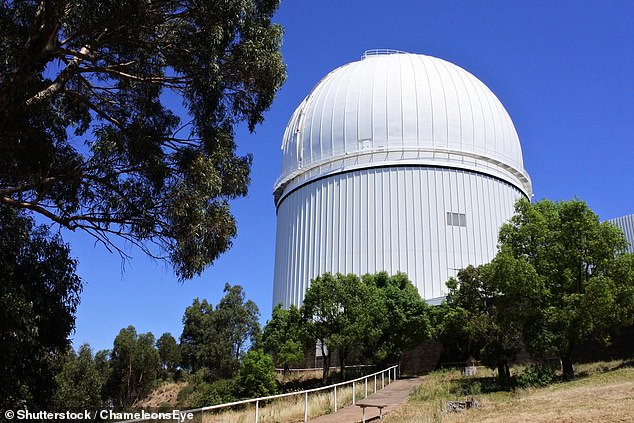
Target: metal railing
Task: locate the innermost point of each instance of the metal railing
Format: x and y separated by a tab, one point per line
381	377
381	52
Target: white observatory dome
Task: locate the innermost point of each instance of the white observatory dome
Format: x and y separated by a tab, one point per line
399	108
400	163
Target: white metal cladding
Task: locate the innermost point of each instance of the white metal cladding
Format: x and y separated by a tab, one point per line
400	109
392	219
626	223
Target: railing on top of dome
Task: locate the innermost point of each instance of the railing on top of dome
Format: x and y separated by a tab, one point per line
381	52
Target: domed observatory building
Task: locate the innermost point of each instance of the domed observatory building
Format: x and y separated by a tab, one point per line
400	163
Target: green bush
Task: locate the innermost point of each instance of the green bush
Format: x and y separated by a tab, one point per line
469	388
202	390
256	377
184	393
536	375
218	392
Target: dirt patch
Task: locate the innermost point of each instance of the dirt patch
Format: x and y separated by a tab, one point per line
163	396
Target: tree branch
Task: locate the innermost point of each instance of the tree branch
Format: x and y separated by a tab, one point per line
61	80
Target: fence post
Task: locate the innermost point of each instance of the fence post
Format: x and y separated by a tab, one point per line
375	383
382	380
366	387
354	393
389	376
335	398
257	409
306	407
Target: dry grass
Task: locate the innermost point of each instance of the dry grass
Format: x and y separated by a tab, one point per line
291	409
604	392
283	410
295	375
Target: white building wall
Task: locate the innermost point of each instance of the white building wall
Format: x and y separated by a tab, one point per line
626	223
389	219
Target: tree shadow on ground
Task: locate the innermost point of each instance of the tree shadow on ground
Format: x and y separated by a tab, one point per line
470	386
604	368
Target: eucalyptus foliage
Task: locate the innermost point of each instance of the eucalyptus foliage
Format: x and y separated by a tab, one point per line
217	338
284	337
478	319
334	310
561	277
80	382
371	319
405	317
117	117
170	354
584	281
39	295
135	364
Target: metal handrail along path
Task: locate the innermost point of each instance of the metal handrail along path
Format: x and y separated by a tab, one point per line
391	372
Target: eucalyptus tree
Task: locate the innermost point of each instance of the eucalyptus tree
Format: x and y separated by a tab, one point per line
135	364
584	284
284	337
170	354
39	295
80	382
479	319
405	317
118	117
216	338
342	313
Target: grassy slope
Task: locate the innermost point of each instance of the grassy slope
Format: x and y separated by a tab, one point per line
603	392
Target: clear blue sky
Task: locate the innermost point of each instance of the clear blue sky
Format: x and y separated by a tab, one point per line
563	70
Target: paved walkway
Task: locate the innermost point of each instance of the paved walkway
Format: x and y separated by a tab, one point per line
394	394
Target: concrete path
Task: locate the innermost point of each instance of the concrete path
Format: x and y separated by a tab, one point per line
393	394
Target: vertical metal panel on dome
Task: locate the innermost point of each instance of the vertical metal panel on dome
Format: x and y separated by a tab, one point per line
389	219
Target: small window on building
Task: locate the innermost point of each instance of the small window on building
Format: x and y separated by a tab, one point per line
457	219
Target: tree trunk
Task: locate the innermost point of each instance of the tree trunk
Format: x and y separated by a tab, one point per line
342	363
504	373
326	363
566	365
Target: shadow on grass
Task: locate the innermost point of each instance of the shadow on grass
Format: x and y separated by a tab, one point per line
479	385
534	376
302	385
604	368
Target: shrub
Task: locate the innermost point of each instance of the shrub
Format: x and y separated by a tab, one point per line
204	394
536	375
201	390
256	377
